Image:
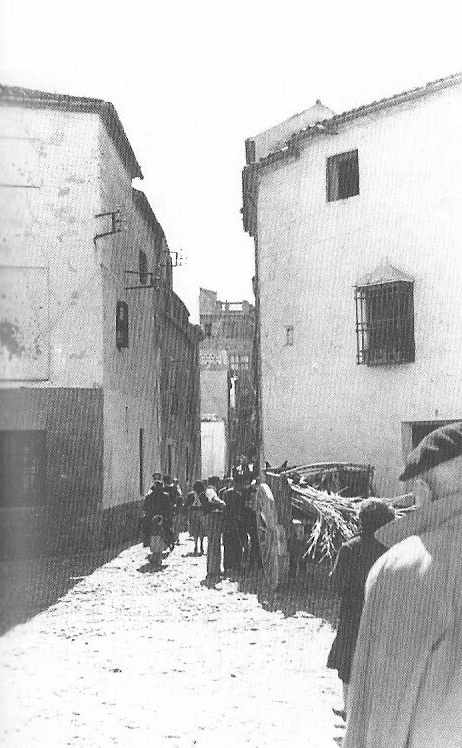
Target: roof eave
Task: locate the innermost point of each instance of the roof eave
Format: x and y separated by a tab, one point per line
327	126
41	99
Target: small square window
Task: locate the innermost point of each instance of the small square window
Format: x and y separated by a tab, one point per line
342	176
289	335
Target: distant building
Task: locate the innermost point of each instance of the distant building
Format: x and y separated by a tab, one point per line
86	298
357	224
227	374
180	392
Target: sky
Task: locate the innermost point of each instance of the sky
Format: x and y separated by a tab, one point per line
192	80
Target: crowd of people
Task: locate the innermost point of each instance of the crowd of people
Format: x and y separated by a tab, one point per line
398	649
223	511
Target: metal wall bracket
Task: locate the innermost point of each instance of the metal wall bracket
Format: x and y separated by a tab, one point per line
116	223
154	281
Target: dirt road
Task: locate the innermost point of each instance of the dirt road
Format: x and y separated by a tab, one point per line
132	658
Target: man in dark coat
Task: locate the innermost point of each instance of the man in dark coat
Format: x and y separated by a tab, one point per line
213	508
233	531
348	578
176	502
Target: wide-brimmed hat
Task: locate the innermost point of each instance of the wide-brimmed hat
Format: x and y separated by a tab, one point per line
439	446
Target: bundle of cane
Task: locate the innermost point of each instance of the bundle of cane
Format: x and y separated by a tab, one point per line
335	521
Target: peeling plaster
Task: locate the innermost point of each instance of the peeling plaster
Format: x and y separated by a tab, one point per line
10	333
75	180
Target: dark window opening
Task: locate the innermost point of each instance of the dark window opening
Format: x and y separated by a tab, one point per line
208	329
342	176
385	323
23	468
421	429
143	267
122	324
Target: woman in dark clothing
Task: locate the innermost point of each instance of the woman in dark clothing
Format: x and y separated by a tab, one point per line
157	504
348	578
233	530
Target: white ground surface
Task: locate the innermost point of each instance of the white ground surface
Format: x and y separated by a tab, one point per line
127	658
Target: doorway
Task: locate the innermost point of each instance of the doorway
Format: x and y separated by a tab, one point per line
23	468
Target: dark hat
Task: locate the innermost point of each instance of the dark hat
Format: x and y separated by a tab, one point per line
439	446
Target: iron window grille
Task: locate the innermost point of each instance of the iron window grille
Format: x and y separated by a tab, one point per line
122	324
385	323
342	176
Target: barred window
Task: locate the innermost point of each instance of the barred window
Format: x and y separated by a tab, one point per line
342	176
385	323
122	324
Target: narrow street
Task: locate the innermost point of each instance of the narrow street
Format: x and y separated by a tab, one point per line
131	658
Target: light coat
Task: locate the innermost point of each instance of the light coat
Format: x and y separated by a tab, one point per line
406	685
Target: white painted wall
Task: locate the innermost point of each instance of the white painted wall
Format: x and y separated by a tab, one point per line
48	196
131	375
213	446
318	404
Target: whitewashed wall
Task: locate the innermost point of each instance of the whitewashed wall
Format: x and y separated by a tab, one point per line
318	404
131	375
50	304
213	445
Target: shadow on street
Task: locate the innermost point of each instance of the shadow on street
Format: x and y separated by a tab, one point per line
29	586
309	592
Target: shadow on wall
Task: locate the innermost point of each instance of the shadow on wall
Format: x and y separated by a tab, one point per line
29	586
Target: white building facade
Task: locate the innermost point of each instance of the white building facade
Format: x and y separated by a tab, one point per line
357	226
85	292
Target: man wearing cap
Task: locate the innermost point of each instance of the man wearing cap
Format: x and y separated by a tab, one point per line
406	685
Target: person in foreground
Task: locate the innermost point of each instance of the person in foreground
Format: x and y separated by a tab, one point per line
406	684
348	578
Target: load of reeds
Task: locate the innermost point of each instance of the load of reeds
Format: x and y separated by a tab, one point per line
333	520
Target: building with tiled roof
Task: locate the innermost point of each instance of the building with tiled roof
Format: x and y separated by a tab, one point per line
356	222
97	353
